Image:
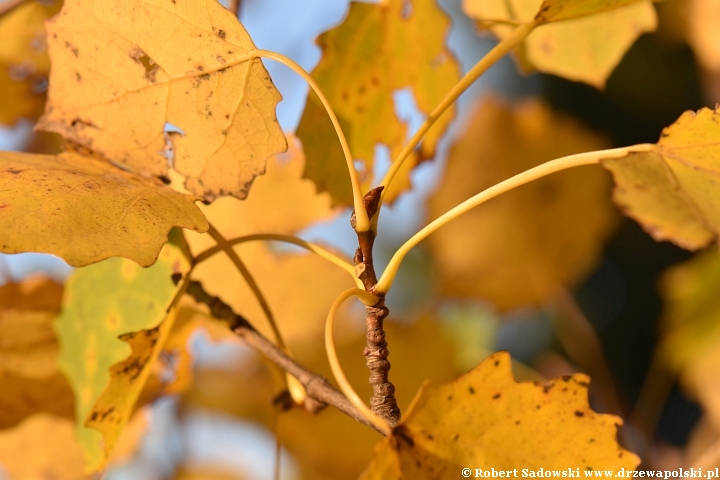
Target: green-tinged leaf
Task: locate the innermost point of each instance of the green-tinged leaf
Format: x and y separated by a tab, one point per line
113	88
672	190
86	210
24	63
583	49
113	312
486	419
378	49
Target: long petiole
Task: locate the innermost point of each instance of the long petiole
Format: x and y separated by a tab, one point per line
540	171
297	391
499	51
362	221
342	381
329	256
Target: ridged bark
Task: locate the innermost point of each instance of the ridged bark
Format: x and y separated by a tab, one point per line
383	401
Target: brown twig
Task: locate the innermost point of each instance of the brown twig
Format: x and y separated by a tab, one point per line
235	6
383	401
8	6
320	392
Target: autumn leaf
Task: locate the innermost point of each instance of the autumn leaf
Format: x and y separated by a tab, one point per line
671	190
557	10
93	209
378	49
25	451
24	63
690	335
341	447
300	287
29	375
114	312
585	49
114	87
45	447
488	420
282	202
518	249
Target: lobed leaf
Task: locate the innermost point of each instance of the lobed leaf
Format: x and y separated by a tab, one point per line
24	63
377	49
585	49
300	287
85	210
123	70
518	249
489	420
114	312
672	190
341	447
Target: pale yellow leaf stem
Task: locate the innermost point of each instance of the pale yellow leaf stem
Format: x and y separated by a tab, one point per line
297	391
499	51
362	222
342	381
321	252
540	171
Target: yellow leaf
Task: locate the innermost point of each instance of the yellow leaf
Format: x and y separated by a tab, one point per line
93	209
114	87
103	305
378	49
299	287
281	202
487	420
45	447
29	376
519	248
583	49
671	190
24	64
557	10
340	447
691	327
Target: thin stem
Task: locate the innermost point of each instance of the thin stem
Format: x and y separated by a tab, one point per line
362	222
224	245
499	21
234	6
296	390
540	171
499	51
342	381
327	255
